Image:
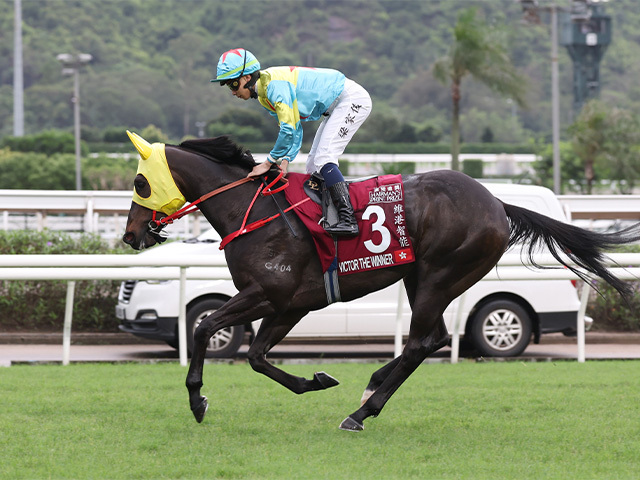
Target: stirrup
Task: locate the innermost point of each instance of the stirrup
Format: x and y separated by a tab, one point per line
342	229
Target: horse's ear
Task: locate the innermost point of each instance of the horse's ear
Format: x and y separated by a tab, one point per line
143	147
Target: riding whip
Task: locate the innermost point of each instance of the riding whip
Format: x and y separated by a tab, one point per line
293	232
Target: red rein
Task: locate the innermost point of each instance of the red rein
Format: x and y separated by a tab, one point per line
244	228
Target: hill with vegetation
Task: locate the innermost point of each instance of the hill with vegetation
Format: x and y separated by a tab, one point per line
153	59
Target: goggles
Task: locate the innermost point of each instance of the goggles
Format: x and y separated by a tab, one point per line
234	84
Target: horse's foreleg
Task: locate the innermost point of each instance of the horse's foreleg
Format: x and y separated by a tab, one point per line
272	331
415	351
247	306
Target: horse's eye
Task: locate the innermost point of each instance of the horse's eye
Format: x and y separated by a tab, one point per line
142	186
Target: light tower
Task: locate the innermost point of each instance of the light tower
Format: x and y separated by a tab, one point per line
586	33
72	65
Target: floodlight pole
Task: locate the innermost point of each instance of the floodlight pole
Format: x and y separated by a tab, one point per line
532	10
555	100
72	65
18	75
583	10
76	125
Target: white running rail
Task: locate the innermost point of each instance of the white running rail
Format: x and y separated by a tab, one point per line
131	267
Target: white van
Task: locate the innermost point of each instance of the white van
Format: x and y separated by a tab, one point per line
499	318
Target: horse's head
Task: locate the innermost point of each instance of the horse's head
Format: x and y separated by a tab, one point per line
139	233
155	195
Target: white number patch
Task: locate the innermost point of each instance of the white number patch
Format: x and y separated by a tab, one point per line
377	226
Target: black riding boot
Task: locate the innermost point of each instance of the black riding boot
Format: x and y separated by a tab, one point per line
347	225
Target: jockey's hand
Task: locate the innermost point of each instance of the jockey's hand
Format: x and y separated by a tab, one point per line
265	166
260	169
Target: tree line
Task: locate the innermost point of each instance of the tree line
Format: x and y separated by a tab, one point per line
153	60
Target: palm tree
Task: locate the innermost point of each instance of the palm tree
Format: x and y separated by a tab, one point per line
607	137
476	52
589	137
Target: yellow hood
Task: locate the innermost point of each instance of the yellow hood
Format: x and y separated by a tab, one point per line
165	196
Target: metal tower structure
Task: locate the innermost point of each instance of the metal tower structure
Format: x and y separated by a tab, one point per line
586	33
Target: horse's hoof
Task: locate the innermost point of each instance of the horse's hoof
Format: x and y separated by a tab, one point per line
325	380
350	425
200	411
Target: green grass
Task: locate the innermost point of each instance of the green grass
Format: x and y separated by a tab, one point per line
467	421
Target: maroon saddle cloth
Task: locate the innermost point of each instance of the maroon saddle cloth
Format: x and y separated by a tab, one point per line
379	208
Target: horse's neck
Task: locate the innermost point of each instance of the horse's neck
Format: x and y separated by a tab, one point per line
225	210
196	176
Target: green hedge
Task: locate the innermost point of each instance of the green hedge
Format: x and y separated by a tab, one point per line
39	305
409	148
394	168
48	142
39	171
115	147
354	147
473	167
612	313
422	147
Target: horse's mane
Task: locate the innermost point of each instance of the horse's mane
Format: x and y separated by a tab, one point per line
220	149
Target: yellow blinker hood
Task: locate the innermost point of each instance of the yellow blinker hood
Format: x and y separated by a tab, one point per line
165	196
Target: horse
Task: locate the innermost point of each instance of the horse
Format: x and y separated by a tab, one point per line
457	228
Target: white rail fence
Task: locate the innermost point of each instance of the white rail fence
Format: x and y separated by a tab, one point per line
131	267
101	212
112	267
105	212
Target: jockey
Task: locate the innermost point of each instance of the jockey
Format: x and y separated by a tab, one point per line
301	94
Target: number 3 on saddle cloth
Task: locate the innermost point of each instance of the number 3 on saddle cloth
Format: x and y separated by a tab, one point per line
383	240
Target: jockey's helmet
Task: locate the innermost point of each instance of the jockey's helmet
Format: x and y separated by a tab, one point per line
234	64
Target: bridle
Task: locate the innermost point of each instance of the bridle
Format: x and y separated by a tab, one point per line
265	189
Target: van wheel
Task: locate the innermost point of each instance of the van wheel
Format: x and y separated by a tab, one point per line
224	343
501	328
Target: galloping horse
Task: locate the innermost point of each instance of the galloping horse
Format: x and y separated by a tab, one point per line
457	228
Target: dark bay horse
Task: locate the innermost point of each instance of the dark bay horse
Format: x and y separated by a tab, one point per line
458	230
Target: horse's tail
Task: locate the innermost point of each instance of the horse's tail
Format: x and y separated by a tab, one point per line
583	247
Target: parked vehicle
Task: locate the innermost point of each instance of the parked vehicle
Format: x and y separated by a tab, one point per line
498	318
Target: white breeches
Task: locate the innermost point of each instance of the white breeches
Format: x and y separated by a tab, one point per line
346	114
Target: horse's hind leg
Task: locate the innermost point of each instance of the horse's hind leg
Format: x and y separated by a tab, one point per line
272	330
428	333
415	351
380	375
377	378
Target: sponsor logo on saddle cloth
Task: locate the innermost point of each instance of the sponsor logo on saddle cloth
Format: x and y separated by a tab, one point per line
165	196
379	208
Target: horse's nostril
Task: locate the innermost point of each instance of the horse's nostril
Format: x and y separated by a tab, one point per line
128	238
